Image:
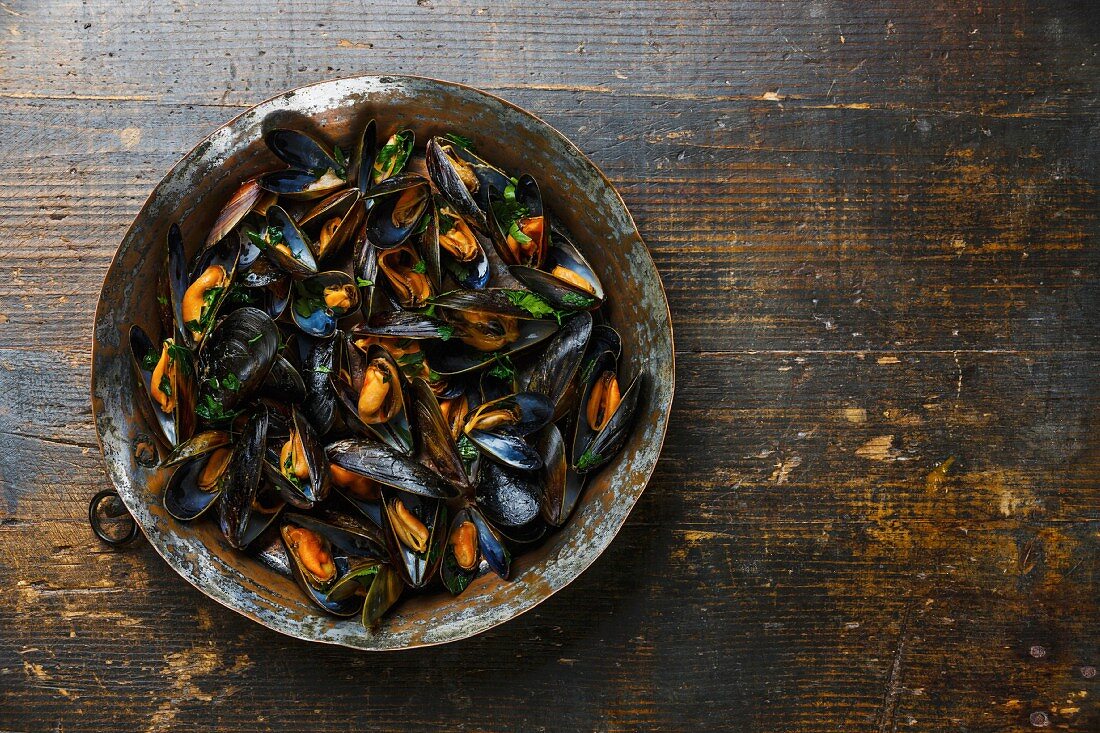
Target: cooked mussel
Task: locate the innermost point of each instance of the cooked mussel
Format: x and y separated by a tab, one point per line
406	274
315	170
554	374
469	540
391	157
166	374
320	300
334	221
400	206
197	292
498	428
199	474
287	245
519	228
388	467
234	361
370	388
416	527
461	178
606	411
240	481
324	553
565	280
302	460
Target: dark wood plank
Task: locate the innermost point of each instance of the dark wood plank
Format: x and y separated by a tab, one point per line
877	225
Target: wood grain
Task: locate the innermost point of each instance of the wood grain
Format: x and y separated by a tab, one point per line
877	225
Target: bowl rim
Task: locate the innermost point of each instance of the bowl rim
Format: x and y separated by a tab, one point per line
523	609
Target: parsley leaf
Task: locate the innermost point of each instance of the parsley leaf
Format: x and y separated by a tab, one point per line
420	267
166	385
322	369
589	460
180	355
231	382
459	141
466	449
446	223
533	303
445	331
504	368
577	301
163	300
150	360
209	408
363	282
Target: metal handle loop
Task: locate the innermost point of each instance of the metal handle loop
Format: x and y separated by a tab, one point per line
113	509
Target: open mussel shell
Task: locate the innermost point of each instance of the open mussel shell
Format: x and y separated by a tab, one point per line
468	266
364	265
234	361
334	221
283	382
591	448
184	499
527	195
319	301
488	546
266	508
384	592
240	482
363	157
554	373
454	356
383	464
249	197
390	158
300	151
391	424
447	169
197	445
402	324
565	280
175	427
427	516
315	487
395	216
562	486
287	490
299	263
406	274
499	428
437	442
197	305
339	550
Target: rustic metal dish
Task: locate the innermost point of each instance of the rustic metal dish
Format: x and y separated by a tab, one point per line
192	194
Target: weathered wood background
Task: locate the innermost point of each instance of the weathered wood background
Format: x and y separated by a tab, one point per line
877	223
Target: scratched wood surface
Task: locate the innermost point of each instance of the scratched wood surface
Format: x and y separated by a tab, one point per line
877	225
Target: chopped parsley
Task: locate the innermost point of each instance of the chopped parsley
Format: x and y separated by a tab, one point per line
577	301
255	338
166	385
423	225
307	301
420	267
363	282
446	223
504	368
231	382
180	355
466	449
445	331
163	300
459	141
149	361
391	158
342	162
209	408
589	460
533	303
269	236
322	369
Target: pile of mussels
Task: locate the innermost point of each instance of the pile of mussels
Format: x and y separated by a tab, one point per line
381	368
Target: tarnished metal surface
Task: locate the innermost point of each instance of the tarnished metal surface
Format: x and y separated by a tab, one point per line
193	192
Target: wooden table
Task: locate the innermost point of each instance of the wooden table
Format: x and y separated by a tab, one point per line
877	224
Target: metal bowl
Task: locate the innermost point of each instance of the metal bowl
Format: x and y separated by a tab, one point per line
192	193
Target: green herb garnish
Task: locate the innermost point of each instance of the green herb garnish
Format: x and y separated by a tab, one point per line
577	301
321	370
150	360
166	385
446	223
445	331
504	368
534	304
231	382
459	141
589	460
420	267
180	355
363	283
466	449
209	408
163	300
255	338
